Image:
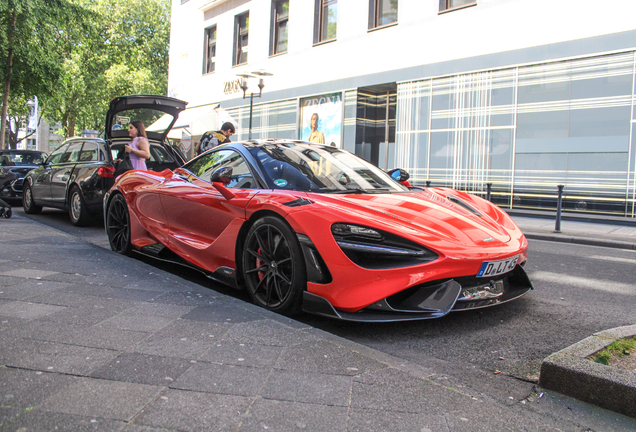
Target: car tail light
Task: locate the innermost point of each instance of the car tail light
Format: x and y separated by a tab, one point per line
108	171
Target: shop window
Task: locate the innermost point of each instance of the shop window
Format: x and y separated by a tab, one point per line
445	5
209	46
242	25
382	13
326	20
280	22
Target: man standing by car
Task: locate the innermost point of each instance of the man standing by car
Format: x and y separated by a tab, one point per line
213	139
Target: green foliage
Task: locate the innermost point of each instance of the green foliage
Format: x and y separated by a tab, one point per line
603	358
76	55
35	37
44	33
619	348
125	53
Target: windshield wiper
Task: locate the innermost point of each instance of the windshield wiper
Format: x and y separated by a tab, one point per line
357	190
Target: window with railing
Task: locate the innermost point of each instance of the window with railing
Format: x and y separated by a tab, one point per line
242	25
280	22
382	13
326	20
445	5
209	46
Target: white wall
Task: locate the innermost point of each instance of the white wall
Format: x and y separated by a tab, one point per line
421	37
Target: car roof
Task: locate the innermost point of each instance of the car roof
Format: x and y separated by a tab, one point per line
21	151
255	143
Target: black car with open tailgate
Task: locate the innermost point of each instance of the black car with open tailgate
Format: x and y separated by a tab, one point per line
78	173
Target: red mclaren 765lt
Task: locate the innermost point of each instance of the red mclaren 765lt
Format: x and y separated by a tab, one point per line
303	226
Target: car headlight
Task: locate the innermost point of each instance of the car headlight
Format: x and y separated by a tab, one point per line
346	230
374	249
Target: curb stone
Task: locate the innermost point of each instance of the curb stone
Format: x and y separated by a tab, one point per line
568	372
580	240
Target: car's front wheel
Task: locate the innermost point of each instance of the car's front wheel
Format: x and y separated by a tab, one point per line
28	204
118	225
77	208
273	266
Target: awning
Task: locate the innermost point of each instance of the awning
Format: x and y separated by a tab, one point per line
195	121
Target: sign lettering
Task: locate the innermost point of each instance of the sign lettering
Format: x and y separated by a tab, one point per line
233	86
322	100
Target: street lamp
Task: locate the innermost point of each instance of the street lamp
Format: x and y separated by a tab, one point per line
261	83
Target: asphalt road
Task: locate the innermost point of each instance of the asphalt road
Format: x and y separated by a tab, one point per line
579	290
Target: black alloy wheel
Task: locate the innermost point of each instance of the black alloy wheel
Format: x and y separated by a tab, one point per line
273	266
118	225
77	208
28	204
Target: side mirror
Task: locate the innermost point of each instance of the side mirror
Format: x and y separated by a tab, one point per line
398	174
220	178
222	175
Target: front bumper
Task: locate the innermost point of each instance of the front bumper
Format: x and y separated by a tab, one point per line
12	190
431	300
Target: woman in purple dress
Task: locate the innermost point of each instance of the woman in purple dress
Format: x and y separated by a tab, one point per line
139	148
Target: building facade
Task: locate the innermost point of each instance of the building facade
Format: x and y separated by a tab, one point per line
514	97
35	133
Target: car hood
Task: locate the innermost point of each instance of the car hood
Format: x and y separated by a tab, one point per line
19	170
423	214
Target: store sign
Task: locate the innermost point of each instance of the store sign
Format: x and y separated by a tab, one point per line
321	119
233	86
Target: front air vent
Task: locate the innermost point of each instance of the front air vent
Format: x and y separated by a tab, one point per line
298	202
461	203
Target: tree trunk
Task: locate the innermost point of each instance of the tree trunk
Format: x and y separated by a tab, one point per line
7	83
71	127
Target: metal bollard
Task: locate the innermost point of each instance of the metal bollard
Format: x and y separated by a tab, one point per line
488	189
428	183
557	225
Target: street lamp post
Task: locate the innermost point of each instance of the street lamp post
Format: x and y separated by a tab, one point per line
261	83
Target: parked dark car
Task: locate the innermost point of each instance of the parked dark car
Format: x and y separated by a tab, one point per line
14	164
78	173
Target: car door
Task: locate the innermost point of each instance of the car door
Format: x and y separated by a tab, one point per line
41	177
203	224
62	170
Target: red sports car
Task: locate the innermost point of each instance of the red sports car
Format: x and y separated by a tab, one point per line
310	227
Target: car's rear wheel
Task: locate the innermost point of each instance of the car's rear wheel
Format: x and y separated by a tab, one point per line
28	204
273	267
77	208
118	225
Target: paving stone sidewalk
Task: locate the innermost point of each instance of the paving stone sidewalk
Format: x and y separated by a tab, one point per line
90	340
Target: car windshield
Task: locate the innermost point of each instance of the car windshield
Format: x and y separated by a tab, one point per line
19	158
317	168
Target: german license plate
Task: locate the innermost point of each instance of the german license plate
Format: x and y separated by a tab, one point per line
494	268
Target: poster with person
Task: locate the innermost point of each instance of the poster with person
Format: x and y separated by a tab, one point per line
321	119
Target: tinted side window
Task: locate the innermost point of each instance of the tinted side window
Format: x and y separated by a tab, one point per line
91	152
57	154
72	153
159	154
206	165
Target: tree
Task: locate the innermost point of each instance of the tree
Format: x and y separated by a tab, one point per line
35	37
127	53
